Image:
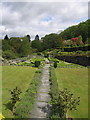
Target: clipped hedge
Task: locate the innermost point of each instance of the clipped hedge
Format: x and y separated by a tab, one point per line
24	107
54	85
53	92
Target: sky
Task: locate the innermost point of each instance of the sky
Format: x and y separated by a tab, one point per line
21	18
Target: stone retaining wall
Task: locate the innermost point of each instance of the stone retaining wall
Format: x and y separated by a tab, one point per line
81	60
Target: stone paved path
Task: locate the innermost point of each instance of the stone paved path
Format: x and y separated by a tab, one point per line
41	108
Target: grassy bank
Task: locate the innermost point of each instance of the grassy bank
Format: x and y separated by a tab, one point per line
76	80
14	76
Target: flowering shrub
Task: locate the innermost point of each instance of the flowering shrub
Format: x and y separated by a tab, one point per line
75	39
1	117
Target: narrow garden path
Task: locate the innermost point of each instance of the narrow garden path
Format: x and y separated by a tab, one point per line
41	108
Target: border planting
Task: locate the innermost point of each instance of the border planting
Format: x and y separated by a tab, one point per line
53	92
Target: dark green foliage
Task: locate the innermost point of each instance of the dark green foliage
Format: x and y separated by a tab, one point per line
29	38
16	45
53	91
25	49
6	37
65	102
76	30
37	37
55	64
46	54
37	63
54	86
38	71
52	41
15	93
8	54
24	108
37	44
6	45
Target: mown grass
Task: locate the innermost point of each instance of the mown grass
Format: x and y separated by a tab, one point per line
75	80
13	76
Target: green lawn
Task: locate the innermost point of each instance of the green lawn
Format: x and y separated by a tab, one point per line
13	76
76	80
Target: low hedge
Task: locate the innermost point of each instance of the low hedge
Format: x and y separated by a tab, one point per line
53	92
24	107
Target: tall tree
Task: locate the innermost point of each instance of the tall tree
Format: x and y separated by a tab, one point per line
6	37
29	38
36	44
37	37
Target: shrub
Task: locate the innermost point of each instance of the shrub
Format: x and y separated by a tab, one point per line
55	64
39	53
8	54
46	55
15	97
65	102
37	63
38	71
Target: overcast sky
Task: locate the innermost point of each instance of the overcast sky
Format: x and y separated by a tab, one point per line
22	18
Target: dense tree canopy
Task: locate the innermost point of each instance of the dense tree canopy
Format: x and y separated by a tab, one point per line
18	46
22	46
29	38
77	30
51	41
37	44
37	37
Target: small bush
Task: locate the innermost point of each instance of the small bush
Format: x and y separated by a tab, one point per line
55	64
15	93
38	71
37	63
46	55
